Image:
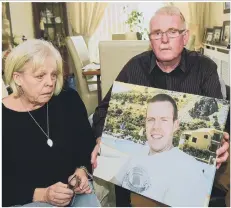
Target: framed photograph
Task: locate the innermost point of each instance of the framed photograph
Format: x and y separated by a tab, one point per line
217	32
225	39
226	7
156	142
208	35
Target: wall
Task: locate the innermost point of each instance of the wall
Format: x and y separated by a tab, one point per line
183	6
217	16
22	19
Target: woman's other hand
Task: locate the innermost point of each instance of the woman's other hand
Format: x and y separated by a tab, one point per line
80	182
57	194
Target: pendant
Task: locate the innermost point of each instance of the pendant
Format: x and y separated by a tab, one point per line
50	142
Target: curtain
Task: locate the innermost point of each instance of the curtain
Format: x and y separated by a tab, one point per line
85	17
199	20
5	29
113	21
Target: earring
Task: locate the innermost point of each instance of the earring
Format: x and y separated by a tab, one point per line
20	90
18	85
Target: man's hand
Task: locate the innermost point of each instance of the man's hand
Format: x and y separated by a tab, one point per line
222	152
58	194
94	153
83	187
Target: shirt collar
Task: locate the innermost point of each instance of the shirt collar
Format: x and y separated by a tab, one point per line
182	64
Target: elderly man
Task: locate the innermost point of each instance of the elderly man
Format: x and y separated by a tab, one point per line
167	174
167	66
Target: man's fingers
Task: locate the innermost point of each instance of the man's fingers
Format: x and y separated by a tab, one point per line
222	152
222	149
218	165
222	158
226	136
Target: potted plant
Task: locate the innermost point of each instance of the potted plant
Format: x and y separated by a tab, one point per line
135	21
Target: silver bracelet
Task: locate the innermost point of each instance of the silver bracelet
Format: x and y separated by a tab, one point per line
86	171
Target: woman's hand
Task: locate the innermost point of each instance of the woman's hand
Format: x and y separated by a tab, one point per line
222	152
95	153
57	194
83	187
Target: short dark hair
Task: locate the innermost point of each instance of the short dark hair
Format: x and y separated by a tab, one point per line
165	97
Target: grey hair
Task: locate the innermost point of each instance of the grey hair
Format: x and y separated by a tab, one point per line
171	11
35	51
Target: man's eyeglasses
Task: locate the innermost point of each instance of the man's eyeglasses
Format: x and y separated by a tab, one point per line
171	33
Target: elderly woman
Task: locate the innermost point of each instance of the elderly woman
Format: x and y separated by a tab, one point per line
46	136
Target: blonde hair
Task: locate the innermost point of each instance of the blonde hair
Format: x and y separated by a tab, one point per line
35	51
171	11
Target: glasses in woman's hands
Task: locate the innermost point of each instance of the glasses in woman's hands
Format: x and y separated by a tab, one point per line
74	182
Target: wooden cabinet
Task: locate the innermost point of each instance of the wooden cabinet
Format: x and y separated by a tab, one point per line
220	55
50	23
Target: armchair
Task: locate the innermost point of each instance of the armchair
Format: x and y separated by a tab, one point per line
78	52
114	55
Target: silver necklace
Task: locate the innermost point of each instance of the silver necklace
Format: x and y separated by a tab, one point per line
49	140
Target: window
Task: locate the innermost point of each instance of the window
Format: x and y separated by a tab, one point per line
206	136
213	147
113	22
187	136
217	137
194	139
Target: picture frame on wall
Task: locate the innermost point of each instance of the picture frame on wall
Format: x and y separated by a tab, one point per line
217	32
225	38
226	7
208	35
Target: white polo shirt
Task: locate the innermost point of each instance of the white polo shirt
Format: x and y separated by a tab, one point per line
171	177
